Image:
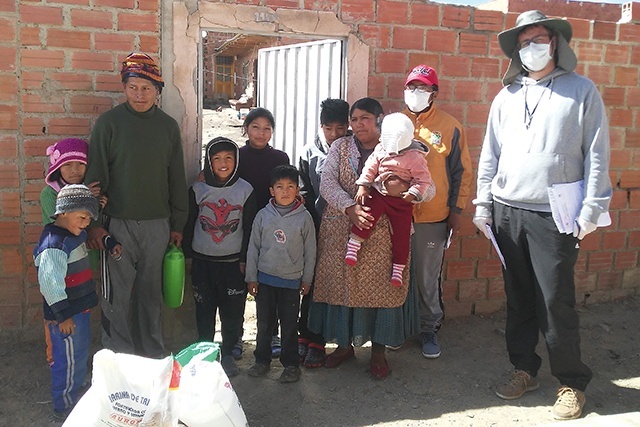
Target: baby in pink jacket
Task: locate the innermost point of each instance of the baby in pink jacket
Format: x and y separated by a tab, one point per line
393	178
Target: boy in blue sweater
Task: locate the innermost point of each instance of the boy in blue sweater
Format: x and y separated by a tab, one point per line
64	275
221	211
280	261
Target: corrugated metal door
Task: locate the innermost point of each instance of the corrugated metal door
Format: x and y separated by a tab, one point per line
292	82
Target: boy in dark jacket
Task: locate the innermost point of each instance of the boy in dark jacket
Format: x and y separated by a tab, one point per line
221	211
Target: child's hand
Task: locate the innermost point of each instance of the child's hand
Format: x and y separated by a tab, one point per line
408	197
102	200
116	252
95	188
252	287
304	288
67	327
243	267
362	195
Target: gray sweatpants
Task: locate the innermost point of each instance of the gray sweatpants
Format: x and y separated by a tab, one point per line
132	291
427	255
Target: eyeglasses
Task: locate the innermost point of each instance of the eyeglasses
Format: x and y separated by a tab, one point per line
539	39
420	89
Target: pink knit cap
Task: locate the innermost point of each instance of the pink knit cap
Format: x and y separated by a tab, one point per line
64	151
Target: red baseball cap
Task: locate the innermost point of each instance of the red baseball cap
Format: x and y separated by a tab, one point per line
424	74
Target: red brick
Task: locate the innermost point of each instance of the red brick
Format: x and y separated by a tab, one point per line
8	117
626	259
9	232
609	280
495	289
604	30
71	81
391	62
9	177
485	67
619	200
32	192
34	170
33	214
36	104
619	117
115	42
376	86
488	20
626	76
149	44
613	96
456	66
282	3
33	126
633	97
92	61
30	36
635	55
634	239
69	126
474	248
108	83
37	146
441	41
585	282
468	90
12	262
117	4
617	54
8	6
472	290
10	204
473	44
600	261
68	39
457	270
357	10
323	5
7	30
11	316
489	268
459	309
91	18
154	4
590	51
392	12
600	74
32	79
430	59
630	179
456	17
489	307
614	240
90	104
138	22
634	199
75	2
630	33
629	220
37	14
478	114
408	38
426	15
8	147
42	58
8	88
375	35
7	59
395	90
632	138
32	233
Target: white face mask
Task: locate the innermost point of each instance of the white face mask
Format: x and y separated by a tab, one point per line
417	101
535	56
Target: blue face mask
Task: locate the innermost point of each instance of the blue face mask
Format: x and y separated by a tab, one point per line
535	56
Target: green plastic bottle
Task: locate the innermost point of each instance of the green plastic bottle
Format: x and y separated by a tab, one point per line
173	277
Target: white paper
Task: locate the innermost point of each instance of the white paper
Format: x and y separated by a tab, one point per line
492	237
566	202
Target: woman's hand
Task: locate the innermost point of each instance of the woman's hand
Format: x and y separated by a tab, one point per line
359	216
362	195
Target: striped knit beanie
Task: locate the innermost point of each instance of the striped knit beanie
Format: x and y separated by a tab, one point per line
141	65
76	197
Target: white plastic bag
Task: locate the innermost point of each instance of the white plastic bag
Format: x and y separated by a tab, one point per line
206	398
126	391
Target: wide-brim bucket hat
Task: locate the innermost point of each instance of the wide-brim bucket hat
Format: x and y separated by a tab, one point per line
508	41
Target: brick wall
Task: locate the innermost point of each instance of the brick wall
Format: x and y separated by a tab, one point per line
58	72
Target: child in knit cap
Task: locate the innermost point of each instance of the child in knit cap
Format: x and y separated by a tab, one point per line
66	284
398	161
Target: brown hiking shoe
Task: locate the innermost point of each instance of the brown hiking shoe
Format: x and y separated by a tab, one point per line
518	384
569	404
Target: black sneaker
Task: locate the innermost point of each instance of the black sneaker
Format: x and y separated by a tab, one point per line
229	366
258	370
291	374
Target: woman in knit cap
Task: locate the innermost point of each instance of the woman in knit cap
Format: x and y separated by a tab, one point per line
135	152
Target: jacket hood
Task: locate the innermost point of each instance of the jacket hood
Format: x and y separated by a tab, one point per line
218	144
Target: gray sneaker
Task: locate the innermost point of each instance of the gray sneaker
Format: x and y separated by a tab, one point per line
229	366
258	370
518	384
430	347
291	374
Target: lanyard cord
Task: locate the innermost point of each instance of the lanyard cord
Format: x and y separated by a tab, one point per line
528	114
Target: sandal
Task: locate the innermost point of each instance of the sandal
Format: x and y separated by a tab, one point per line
315	356
334	360
379	372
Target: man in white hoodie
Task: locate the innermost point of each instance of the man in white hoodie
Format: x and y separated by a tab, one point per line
547	126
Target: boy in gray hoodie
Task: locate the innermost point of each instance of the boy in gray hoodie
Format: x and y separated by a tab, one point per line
280	262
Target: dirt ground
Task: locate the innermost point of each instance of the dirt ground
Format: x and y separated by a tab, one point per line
456	389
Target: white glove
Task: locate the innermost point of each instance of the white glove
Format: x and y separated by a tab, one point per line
481	223
582	227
